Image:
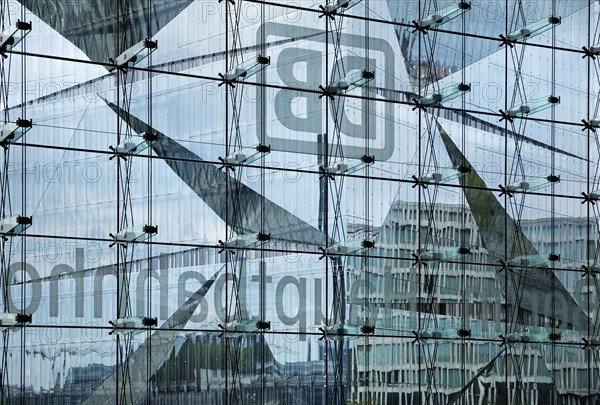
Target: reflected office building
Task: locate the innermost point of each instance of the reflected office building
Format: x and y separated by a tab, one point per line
371	202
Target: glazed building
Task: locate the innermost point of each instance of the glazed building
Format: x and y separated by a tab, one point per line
366	202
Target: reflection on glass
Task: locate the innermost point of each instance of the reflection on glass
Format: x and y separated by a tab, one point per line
13	131
246	70
533	183
13	321
359	79
443	16
350	82
366	227
348	247
11	38
135	54
443	254
346	331
533	106
14	225
134	234
134	145
445	94
593	51
239	328
527	336
593	270
595	122
245	241
443	175
348	166
430	335
528	261
246	156
534	29
339	6
131	325
592	343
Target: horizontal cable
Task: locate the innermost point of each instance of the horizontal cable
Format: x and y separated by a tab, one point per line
298	170
314	252
411	26
297	89
406	336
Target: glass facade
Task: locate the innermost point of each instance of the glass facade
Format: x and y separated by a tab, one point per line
255	202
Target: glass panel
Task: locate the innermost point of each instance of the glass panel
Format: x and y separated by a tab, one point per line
345	202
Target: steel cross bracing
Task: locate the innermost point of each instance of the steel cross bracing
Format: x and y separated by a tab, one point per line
332	192
334	189
126	391
240	326
233	392
125	220
12	241
516	174
5	211
430	176
593	208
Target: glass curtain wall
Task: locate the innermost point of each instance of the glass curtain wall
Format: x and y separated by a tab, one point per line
255	202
